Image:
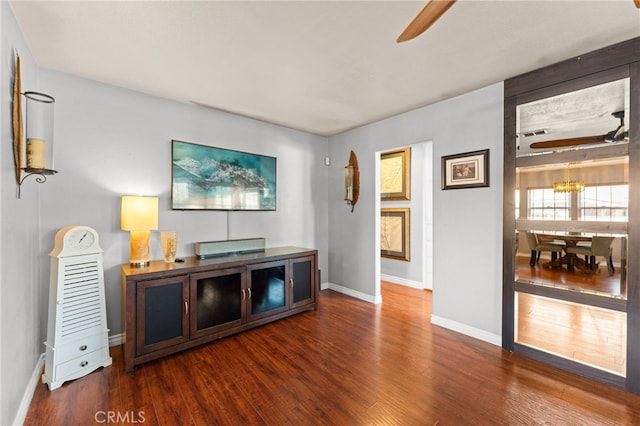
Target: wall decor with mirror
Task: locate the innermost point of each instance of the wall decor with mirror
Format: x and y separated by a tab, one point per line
572	159
209	178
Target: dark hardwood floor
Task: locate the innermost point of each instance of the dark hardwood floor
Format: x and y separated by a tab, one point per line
599	282
348	363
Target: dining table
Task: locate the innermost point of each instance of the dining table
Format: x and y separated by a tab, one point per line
570	240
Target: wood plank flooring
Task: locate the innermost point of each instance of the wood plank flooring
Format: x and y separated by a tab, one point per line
586	334
348	363
599	282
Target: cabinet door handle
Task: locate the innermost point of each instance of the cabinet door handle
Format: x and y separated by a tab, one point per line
83	347
291	282
84	364
249	291
186	308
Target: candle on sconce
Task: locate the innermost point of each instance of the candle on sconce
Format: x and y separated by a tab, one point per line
36	154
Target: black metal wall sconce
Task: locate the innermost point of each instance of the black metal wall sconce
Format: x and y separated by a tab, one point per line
352	181
35	158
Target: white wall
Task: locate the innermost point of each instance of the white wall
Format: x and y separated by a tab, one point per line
467	223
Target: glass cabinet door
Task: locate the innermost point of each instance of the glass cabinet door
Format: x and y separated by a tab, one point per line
267	293
303	281
216	300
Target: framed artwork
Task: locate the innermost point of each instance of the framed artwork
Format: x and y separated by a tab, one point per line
466	170
395	175
394	233
209	178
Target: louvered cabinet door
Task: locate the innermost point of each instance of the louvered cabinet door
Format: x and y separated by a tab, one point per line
77	337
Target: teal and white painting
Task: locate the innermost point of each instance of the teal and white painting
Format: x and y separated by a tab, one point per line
209	178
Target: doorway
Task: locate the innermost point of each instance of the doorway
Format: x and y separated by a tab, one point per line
415	267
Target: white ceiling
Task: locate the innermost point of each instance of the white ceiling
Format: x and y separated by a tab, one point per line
586	112
318	66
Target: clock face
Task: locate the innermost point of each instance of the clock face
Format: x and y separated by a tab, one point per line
76	240
80	239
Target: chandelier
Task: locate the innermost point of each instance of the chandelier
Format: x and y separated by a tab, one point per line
568	185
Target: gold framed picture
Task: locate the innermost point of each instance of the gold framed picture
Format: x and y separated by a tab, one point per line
395	175
394	233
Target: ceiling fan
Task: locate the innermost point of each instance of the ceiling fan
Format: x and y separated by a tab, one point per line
426	17
430	14
614	136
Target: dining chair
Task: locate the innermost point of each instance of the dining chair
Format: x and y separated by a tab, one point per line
537	247
600	246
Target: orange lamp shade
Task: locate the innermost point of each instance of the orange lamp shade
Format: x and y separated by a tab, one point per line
139	213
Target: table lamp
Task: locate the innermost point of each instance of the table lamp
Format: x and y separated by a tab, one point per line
139	215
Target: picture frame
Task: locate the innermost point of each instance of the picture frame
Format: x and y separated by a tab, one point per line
209	178
394	233
465	170
395	175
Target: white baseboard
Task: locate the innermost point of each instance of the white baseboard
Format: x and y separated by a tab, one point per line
116	340
402	281
353	293
23	409
476	333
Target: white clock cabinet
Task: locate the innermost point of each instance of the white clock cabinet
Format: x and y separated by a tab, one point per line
77	334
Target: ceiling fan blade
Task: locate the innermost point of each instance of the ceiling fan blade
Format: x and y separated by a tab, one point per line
558	143
423	20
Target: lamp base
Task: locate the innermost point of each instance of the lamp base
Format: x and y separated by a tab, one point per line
139	246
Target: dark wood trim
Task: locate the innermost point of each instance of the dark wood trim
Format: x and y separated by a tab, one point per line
617	73
611	63
508	223
579	66
633	265
571	366
573	296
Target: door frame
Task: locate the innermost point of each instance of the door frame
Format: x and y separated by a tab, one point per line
618	61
